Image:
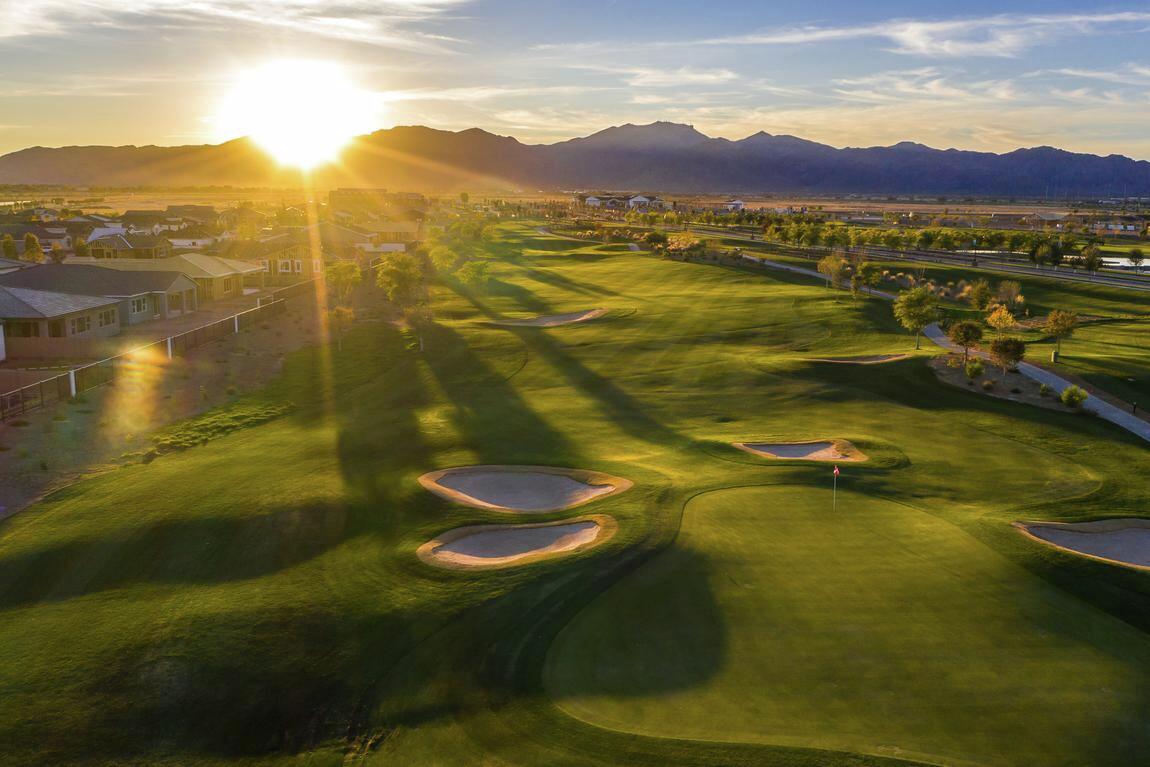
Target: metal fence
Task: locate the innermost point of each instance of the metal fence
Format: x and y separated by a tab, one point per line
78	380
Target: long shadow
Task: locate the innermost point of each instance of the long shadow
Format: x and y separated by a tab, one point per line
527	299
490	414
626	411
557	280
192	551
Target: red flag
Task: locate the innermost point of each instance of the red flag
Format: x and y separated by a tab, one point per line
836	471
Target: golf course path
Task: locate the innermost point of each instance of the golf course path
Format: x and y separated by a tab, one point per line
1096	405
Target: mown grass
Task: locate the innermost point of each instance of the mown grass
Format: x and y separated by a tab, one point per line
257	600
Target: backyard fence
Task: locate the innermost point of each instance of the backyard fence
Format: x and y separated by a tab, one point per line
78	380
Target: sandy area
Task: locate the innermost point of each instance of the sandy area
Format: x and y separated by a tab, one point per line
479	546
1123	541
554	320
838	450
872	359
1004	387
524	489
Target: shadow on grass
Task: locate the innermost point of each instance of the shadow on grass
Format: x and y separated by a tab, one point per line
186	551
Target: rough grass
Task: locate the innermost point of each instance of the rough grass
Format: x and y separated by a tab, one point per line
257	600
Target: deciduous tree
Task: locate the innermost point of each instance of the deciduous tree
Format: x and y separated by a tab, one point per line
1000	319
342	277
1007	352
965	334
1060	324
915	309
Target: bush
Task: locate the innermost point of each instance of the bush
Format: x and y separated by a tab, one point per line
973	369
1043	390
1073	396
987	385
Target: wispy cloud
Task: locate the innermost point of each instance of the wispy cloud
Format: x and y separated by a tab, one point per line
658	78
1003	35
926	84
378	22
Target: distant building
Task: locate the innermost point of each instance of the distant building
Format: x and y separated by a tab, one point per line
130	246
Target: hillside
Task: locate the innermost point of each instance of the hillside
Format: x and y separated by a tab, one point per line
660	156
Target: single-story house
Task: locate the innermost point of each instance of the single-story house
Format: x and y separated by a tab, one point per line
142	296
27	316
130	246
215	278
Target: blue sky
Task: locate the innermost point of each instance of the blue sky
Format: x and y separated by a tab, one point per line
976	74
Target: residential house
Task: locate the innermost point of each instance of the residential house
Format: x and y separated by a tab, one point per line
245	221
201	215
130	246
215	278
141	296
193	238
35	321
283	259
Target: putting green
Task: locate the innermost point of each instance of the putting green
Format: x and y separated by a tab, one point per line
878	629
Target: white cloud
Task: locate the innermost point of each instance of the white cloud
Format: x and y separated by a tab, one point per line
1004	35
378	22
650	77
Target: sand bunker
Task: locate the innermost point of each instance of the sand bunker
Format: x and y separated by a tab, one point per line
530	489
553	320
1121	541
479	546
872	359
826	450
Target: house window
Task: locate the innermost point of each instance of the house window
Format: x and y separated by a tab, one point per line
139	305
264	264
298	266
78	325
105	318
285	266
229	283
22	329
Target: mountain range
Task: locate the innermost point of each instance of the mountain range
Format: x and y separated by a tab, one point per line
662	157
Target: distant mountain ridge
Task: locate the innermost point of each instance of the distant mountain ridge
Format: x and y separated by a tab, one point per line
662	156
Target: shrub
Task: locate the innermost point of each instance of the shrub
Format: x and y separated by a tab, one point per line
973	369
1043	390
1073	396
987	385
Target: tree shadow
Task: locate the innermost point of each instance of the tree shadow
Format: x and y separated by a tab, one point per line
489	413
557	280
183	551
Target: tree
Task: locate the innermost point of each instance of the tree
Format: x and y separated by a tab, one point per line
1007	352
1010	294
464	197
833	267
401	277
56	253
339	320
979	294
81	248
1091	258
915	309
1060	324
8	246
1042	254
866	275
1000	319
474	273
32	250
444	260
1136	258
342	277
965	334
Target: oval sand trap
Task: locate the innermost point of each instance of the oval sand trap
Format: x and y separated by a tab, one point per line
479	546
553	320
529	489
823	450
1121	541
872	359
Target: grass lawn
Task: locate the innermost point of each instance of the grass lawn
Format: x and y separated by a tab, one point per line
257	600
1114	356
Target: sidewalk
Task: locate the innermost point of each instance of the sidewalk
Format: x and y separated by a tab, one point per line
1094	404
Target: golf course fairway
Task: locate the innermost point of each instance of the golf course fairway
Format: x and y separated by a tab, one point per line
878	628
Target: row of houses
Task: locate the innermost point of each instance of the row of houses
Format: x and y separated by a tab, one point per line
650	202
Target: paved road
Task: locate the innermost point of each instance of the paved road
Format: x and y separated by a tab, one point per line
1103	409
1117	281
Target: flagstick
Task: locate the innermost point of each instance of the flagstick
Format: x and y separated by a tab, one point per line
835	494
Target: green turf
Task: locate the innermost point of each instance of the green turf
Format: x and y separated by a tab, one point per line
257	599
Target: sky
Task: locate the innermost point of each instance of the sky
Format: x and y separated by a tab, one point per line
973	75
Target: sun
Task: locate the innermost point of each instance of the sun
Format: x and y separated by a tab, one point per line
303	113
